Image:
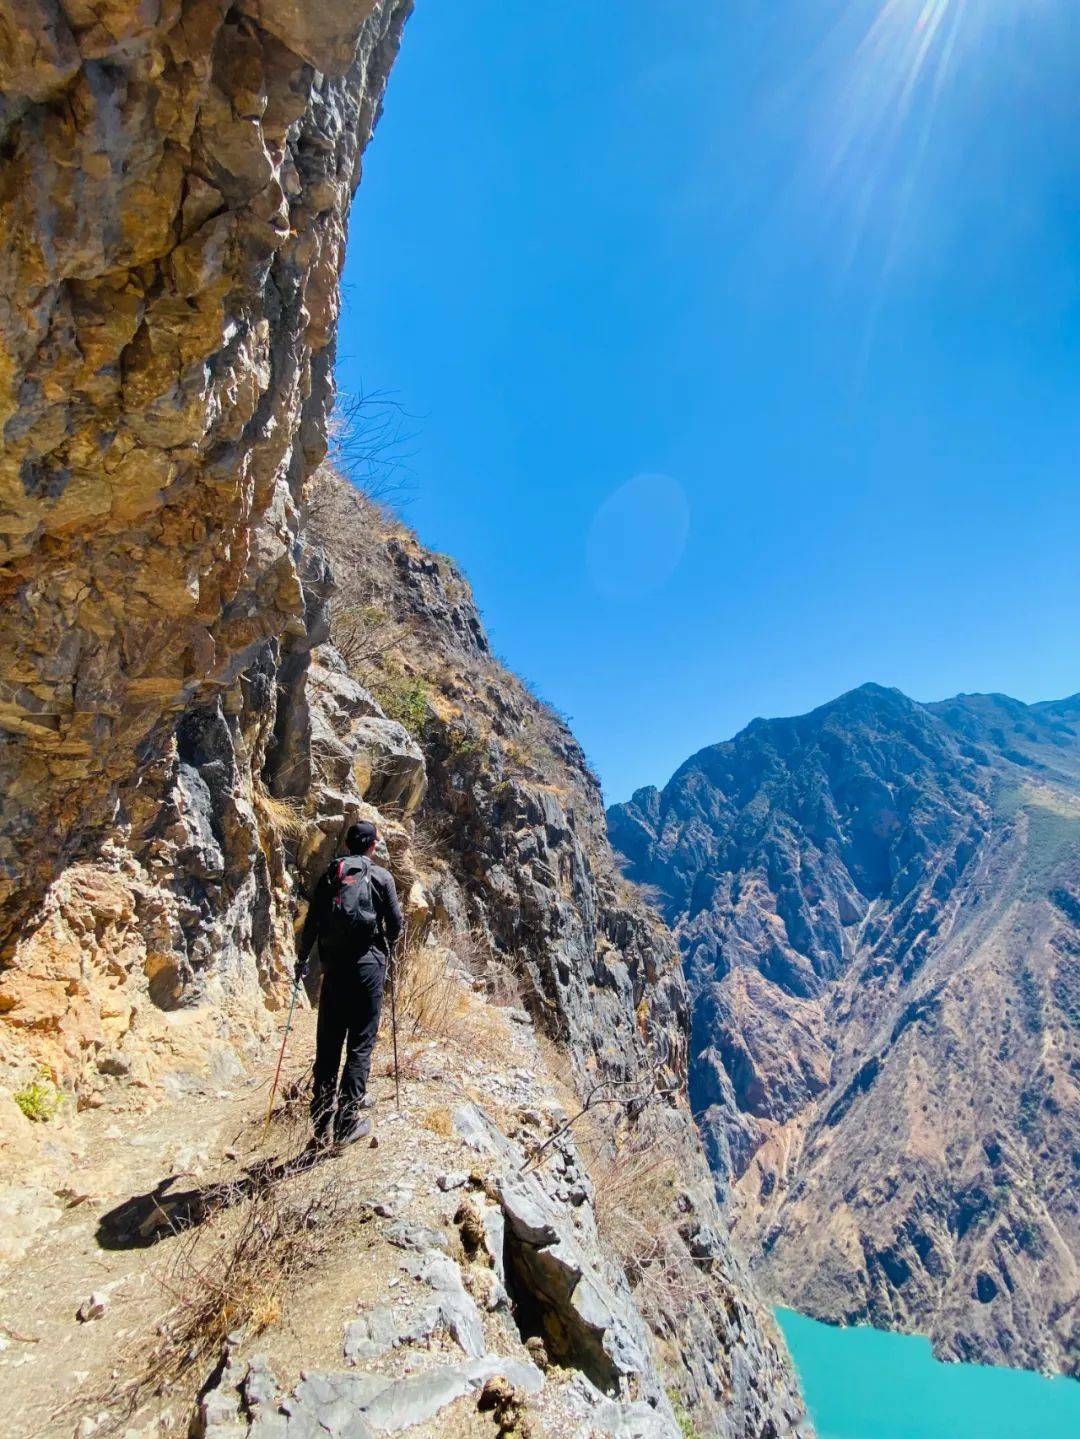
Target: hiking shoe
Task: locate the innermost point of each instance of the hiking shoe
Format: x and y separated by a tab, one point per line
358	1130
321	1140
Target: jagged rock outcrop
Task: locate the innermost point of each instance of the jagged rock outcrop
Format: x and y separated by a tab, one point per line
877	909
173	203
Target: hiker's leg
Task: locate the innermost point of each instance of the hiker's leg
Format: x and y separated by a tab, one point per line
360	1044
329	1037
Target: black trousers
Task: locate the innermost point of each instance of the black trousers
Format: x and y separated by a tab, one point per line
349	1007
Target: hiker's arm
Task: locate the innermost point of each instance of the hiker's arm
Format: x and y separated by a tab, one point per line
392	918
310	932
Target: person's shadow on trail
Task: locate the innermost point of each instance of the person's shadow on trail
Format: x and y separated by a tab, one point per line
144	1219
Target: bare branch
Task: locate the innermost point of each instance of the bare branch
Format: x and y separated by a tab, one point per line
370	436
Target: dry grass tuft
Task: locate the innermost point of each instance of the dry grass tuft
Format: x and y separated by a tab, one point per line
231	1272
439	1120
434	1002
285	815
430	995
556	1060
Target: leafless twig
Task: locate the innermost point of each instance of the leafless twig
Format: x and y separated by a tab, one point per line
369	440
646	1089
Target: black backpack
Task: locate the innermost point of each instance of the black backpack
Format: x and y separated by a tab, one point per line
353	924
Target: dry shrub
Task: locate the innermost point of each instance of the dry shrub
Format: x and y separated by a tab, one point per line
428	843
504	985
634	892
230	1272
237	1282
409	1062
471	948
429	995
363	632
634	1192
475	956
290	1120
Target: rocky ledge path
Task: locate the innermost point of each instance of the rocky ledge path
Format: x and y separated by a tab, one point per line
446	1276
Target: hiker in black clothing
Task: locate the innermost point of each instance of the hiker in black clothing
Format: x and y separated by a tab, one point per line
355	917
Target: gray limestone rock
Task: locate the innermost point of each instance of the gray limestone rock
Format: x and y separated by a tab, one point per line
352	1405
420	1396
406	1234
629	1421
374	1333
456	1307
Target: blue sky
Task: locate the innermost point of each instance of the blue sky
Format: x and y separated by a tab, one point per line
743	343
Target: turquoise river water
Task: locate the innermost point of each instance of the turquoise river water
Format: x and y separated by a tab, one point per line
863	1383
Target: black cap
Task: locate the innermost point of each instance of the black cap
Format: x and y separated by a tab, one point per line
359	837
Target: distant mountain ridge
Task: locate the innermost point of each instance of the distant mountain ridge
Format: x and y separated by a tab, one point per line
878	907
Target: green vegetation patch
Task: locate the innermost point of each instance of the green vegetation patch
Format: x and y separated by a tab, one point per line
683	1418
1053	825
406	701
40	1099
1052	837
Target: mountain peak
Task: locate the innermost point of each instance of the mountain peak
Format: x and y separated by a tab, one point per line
870	898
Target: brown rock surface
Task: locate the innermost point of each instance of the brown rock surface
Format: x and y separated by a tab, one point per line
173	203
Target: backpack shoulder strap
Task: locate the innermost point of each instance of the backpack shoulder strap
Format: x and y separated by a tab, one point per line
353	864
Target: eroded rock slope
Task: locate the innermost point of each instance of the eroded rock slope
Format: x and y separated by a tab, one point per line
878	905
513	819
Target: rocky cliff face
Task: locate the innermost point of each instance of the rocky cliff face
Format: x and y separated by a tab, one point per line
173	198
183	746
173	201
877	905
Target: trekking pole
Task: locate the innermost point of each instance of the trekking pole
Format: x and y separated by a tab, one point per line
393	1025
281	1056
